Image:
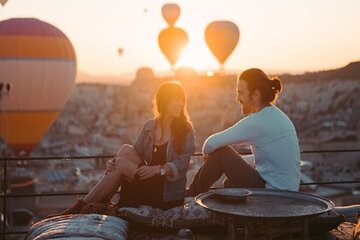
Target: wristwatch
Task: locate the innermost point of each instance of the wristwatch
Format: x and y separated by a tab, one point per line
162	171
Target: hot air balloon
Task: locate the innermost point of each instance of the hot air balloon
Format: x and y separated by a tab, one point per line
171	13
3	2
172	41
222	38
120	51
39	63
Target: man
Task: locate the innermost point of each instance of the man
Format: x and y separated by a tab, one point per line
270	134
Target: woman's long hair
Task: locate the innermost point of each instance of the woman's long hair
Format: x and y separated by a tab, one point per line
180	126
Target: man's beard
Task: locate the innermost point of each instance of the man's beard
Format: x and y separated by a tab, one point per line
245	109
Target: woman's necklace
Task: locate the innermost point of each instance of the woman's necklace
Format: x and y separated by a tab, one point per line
161	137
155	149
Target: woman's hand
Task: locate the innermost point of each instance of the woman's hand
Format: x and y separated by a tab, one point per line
145	172
111	165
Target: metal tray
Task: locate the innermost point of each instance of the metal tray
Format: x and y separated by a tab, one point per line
268	204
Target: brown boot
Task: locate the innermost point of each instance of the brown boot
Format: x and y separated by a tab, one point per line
74	209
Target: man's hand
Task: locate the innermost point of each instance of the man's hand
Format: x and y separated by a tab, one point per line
145	172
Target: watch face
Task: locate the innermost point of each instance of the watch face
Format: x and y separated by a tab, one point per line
162	171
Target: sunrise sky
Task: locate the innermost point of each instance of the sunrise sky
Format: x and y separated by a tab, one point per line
276	35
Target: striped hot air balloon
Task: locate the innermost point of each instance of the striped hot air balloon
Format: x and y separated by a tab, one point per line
38	62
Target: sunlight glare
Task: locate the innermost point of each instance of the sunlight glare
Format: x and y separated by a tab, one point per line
210	73
197	56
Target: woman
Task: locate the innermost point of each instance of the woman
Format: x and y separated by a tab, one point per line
153	172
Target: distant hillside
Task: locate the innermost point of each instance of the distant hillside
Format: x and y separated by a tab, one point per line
350	71
324	106
124	79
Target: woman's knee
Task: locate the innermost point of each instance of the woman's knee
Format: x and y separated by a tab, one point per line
125	150
120	161
128	153
126	168
123	165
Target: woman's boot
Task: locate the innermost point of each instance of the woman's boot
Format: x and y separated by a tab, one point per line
74	209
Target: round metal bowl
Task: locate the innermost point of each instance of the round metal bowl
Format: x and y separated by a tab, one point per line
232	194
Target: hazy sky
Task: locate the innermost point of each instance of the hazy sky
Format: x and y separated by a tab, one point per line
277	35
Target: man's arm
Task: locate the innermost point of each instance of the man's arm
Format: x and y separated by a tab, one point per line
243	131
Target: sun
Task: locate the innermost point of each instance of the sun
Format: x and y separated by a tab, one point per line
197	56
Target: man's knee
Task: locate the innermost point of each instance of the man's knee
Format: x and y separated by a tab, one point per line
218	153
222	150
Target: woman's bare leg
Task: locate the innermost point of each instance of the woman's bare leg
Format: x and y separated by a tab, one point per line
127	163
125	153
